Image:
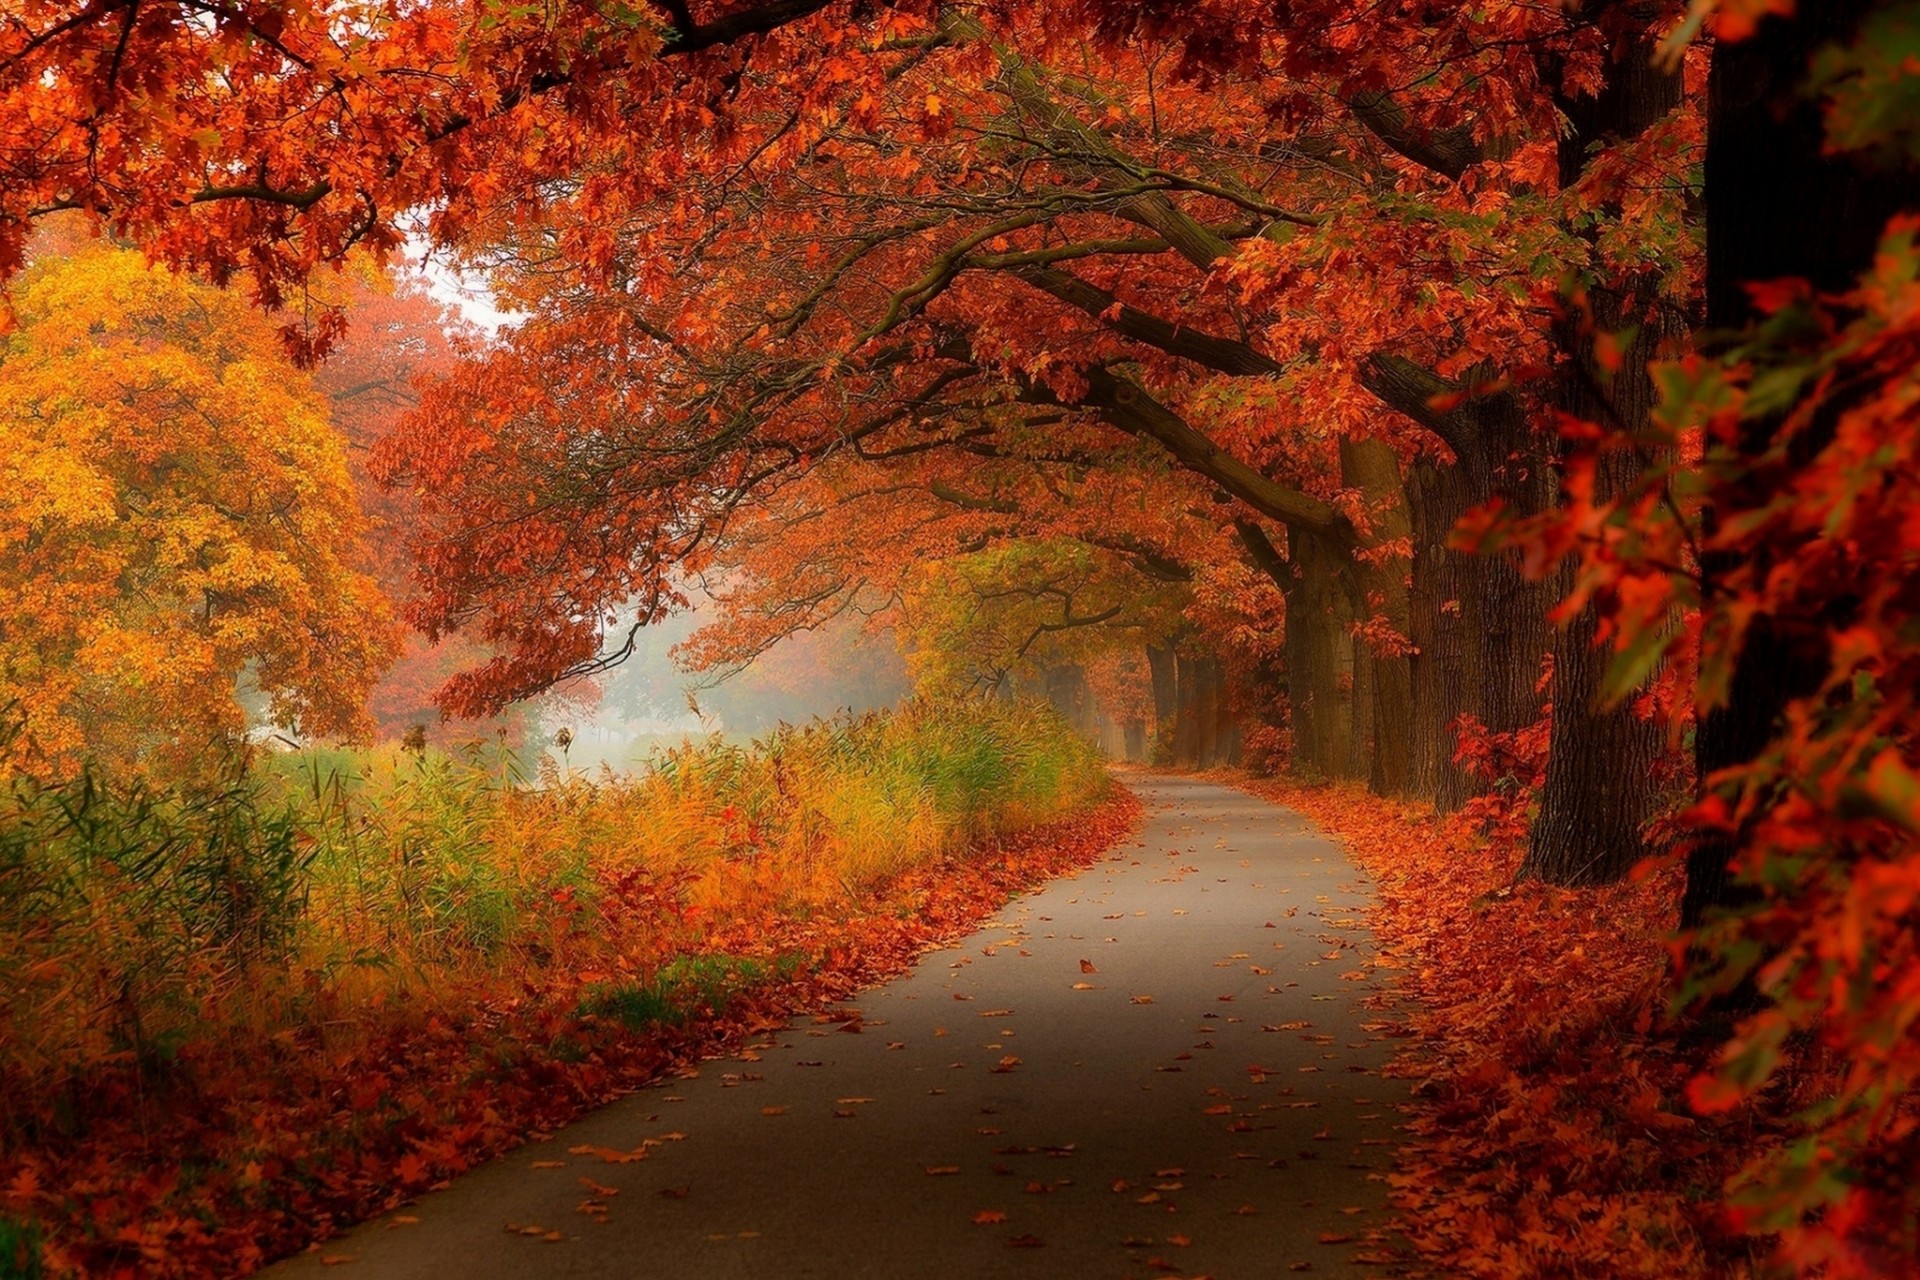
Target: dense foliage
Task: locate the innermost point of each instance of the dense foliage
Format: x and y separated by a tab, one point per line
177	526
1148	355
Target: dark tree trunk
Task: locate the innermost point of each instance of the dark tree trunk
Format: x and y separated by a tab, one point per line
1068	691
1160	664
1504	610
1385	719
1777	206
1599	791
1360	751
1442	614
1133	735
1319	660
1203	674
1186	721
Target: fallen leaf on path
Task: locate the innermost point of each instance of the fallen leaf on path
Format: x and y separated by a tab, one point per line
609	1154
941	1170
1025	1242
1088	966
988	1217
1083	986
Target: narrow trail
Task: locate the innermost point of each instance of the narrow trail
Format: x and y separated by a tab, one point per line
1204	1101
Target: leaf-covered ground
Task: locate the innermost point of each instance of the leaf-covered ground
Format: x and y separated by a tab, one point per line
240	1169
1550	1132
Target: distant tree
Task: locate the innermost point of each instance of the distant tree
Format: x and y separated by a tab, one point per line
178	528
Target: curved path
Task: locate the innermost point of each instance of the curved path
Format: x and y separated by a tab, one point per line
1204	1100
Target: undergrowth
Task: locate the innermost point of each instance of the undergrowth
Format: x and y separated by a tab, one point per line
324	982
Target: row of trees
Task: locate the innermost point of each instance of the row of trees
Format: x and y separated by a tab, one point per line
1108	328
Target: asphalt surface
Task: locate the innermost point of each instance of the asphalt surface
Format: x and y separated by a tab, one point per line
1200	1097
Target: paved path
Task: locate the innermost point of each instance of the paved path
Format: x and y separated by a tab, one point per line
1204	1101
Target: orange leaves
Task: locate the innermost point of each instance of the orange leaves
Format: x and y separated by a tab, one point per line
1087	966
610	1155
156	449
1536	1064
989	1218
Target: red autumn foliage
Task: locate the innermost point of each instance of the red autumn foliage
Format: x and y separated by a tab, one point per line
1550	1129
1213	292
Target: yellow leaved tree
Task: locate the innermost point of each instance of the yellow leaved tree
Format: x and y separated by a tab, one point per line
179	537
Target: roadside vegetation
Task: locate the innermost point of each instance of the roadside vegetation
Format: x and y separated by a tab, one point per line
325	979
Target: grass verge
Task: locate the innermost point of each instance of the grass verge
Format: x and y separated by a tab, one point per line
238	1019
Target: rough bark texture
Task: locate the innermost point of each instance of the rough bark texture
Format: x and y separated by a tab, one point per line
1383	692
1443	617
1776	206
1319	660
1499	457
1599	791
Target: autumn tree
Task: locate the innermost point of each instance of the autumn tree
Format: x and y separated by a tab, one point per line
399	337
177	526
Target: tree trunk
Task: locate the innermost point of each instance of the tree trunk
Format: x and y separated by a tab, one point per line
1381	585
1204	707
1446	671
1599	791
1071	695
1777	206
1160	665
1360	751
1186	723
1319	660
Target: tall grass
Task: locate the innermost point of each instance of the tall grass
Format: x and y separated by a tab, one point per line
158	938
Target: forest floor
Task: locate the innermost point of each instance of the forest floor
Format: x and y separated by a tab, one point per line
1165	1064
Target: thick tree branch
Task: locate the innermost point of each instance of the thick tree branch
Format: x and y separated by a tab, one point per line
1412	388
1449	152
1124	405
1265	556
1225	355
